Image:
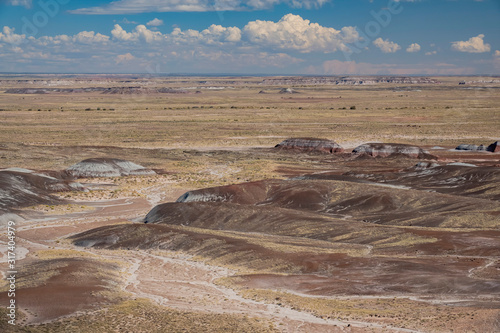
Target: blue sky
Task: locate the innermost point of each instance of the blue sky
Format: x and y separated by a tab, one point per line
321	37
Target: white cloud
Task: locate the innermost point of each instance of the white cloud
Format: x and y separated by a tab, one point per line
124	58
386	46
294	33
141	33
473	45
87	37
8	36
213	35
155	23
147	6
83	37
25	3
413	48
217	33
430	53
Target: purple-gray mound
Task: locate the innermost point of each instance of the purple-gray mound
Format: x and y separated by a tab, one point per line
493	148
311	144
23	187
107	167
471	147
392	150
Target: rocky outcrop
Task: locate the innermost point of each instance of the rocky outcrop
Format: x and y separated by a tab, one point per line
311	145
391	150
494	147
107	167
288	91
470	147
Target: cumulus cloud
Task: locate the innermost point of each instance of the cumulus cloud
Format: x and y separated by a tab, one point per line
292	32
413	48
87	37
295	33
473	45
8	36
141	33
124	58
430	53
218	33
213	35
83	37
155	23
148	6
386	46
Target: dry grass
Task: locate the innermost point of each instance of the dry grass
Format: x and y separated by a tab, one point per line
393	311
144	316
426	114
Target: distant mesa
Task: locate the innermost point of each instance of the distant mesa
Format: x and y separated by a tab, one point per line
23	187
493	148
311	145
112	90
107	167
392	150
349	80
288	91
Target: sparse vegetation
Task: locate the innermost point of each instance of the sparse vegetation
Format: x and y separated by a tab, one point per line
346	256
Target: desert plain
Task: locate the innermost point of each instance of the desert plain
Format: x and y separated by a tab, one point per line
218	230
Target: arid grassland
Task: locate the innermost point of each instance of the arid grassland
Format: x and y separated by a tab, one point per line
161	204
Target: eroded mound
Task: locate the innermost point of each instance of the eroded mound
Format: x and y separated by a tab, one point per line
460	179
23	187
311	145
107	167
371	261
470	147
493	148
392	150
349	197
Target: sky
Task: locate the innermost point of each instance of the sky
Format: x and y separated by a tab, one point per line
288	37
